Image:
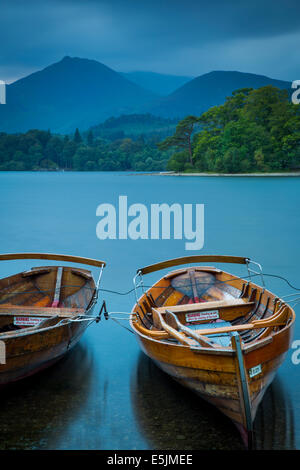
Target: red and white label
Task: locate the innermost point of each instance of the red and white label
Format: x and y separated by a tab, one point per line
27	321
199	316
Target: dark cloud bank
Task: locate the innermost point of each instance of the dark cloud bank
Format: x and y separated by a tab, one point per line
167	36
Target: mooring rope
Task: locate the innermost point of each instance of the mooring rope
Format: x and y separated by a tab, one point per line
123	326
198	283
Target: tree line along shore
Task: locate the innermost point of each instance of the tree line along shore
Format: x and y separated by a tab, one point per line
253	132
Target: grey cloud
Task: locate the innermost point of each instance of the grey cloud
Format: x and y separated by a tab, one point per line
176	36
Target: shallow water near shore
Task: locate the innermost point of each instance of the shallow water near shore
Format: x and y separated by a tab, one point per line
106	394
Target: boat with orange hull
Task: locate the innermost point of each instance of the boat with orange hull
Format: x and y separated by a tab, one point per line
44	312
218	334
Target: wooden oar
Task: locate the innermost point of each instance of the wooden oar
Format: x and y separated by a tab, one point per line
181	337
278	320
173	321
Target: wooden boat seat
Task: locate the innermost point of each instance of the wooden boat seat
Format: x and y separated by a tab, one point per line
200	306
36	271
79	272
41	311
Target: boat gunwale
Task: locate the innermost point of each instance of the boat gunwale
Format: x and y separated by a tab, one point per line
35	330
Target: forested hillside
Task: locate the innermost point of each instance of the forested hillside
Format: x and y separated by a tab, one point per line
254	130
41	150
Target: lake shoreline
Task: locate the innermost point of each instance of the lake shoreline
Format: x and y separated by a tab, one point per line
169	173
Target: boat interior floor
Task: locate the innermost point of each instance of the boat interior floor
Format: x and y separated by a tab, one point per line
223	339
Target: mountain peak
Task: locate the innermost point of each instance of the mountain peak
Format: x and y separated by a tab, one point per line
73	92
210	89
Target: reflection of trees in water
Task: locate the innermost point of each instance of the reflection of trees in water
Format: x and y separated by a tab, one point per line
274	423
36	410
171	417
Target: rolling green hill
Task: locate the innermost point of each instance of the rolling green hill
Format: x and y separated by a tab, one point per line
134	126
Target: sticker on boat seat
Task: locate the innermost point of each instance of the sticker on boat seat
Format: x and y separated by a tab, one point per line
206	315
27	321
254	371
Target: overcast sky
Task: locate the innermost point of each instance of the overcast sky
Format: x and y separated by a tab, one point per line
183	37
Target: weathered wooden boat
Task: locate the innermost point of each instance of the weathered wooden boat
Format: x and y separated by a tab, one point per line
43	313
219	334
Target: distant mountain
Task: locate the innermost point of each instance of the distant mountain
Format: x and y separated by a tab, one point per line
83	93
158	83
68	94
208	90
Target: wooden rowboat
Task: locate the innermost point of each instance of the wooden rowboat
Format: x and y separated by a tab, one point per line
43	313
222	336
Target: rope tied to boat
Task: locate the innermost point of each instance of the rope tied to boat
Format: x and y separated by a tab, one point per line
118	319
66	321
111	291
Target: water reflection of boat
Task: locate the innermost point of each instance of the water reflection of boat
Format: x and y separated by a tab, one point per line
171	417
188	423
274	423
46	403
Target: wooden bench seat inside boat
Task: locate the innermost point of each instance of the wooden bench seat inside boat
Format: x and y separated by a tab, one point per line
15	310
36	271
170	323
228	309
203	306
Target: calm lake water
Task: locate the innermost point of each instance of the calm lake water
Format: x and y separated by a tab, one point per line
106	394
